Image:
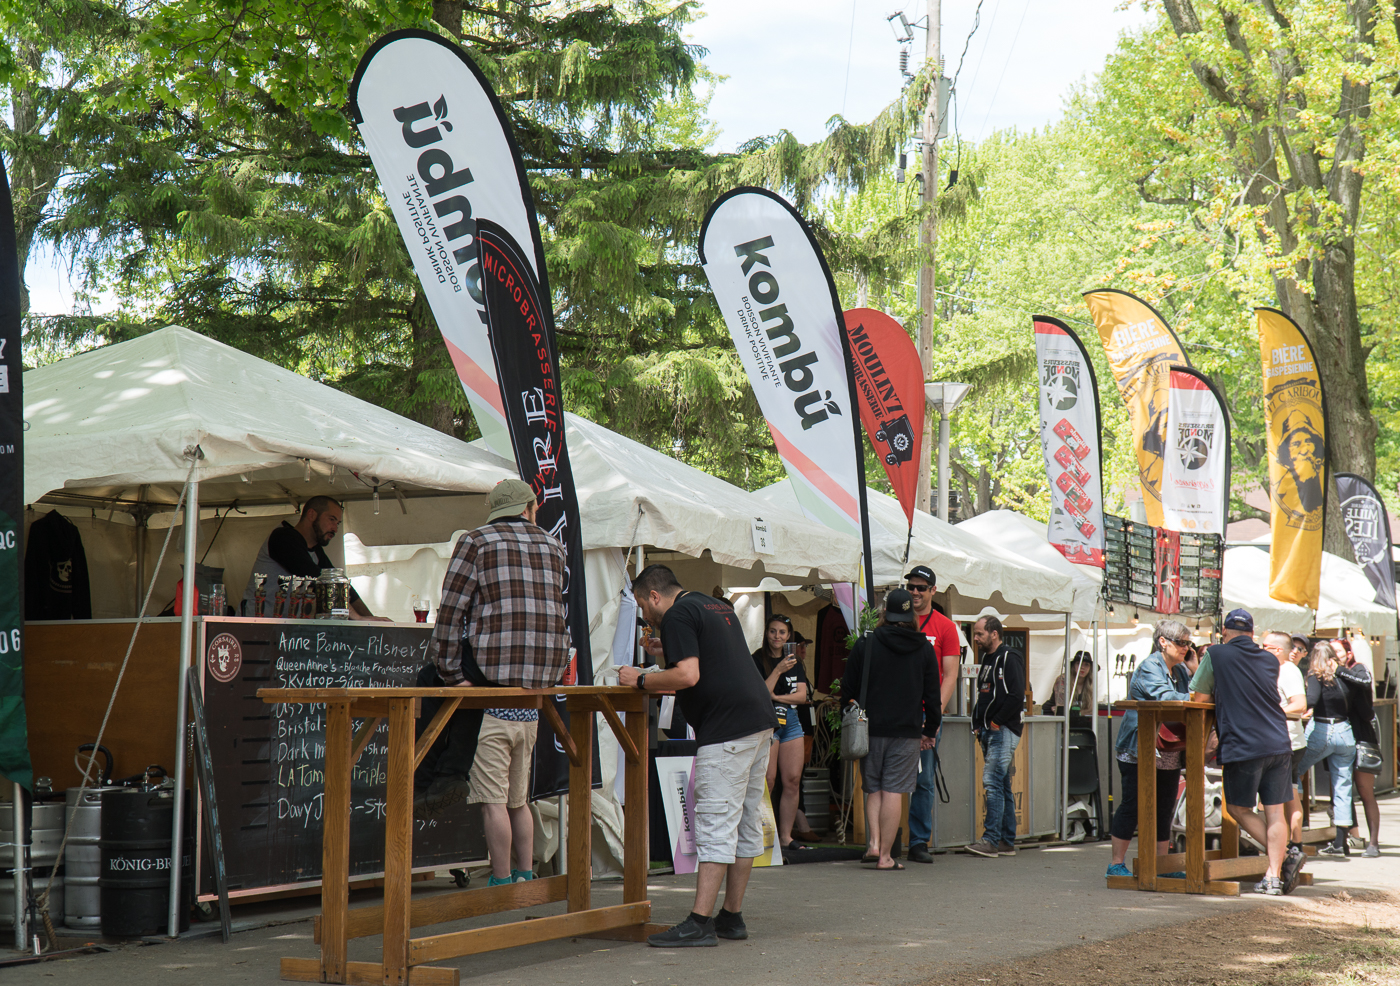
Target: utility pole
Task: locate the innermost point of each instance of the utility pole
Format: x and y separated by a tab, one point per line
928	240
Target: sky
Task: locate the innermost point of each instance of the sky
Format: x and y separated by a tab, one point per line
793	64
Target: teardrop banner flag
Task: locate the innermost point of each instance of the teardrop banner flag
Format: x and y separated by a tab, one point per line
1069	437
1141	350
1196	470
890	391
780	303
1295	425
446	159
1368	530
14	734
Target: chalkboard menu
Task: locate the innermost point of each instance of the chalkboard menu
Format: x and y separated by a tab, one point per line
1160	570
268	759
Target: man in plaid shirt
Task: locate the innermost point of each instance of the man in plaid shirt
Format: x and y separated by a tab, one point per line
501	621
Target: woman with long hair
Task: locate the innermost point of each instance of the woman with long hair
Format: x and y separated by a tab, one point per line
1356	678
786	679
1331	739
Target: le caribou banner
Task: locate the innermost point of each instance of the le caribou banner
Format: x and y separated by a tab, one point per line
450	169
890	391
1069	437
780	303
1368	530
1295	419
1141	350
14	742
1196	467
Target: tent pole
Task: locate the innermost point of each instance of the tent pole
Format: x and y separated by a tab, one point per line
21	871
1064	744
177	826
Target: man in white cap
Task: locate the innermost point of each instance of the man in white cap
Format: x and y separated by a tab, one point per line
501	622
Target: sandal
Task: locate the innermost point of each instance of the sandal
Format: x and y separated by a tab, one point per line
889	869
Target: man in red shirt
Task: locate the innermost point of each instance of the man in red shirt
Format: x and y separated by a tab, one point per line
943	635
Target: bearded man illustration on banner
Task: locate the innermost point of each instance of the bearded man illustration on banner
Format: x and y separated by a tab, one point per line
1303	453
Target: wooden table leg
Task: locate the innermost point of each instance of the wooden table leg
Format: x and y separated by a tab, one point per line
335	843
580	848
636	848
1195	801
398	841
1147	799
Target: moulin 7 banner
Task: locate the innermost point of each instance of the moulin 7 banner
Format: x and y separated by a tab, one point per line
14	736
1069	437
1141	350
1295	424
1196	467
780	303
447	161
1368	529
890	387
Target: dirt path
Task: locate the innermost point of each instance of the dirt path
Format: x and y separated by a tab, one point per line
1337	940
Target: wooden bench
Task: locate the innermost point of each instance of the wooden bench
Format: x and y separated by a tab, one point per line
1218	871
406	959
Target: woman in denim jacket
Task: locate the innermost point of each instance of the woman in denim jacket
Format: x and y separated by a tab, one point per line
1161	677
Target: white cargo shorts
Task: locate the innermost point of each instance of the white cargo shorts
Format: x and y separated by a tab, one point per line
729	780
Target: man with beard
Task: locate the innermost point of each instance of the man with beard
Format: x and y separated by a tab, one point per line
1302	453
299	549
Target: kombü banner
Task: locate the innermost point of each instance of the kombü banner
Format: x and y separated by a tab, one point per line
1368	530
1141	350
447	161
890	391
1069	437
1295	424
1196	470
780	303
14	735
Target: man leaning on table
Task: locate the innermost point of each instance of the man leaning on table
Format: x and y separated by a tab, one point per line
501	622
724	697
1255	753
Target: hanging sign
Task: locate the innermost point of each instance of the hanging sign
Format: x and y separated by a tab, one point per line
1196	467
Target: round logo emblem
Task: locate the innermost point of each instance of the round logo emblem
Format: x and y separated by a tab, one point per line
224	658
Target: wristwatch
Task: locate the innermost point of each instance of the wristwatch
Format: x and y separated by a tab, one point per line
642	681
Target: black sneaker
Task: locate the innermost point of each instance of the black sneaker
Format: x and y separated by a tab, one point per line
730	926
441	794
1292	869
690	933
918	853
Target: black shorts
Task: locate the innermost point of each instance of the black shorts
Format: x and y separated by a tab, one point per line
1267	778
1295	760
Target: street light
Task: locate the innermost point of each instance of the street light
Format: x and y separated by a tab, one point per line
944	398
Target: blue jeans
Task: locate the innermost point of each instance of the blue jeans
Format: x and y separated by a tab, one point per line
1334	743
998	746
921	801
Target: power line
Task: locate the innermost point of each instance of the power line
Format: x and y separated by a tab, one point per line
1010	51
850	46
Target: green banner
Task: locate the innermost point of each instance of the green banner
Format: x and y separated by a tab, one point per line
14	734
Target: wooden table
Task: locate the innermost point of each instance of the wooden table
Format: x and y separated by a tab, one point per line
405	959
1215	871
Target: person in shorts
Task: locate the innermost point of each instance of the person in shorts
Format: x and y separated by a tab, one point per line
725	700
1293	696
1255	753
904	708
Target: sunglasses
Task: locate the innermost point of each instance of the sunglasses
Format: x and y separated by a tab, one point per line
917	588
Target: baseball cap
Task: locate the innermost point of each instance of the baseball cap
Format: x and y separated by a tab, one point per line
922	572
508	499
899	606
1239	619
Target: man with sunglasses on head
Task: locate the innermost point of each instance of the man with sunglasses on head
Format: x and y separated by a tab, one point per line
943	635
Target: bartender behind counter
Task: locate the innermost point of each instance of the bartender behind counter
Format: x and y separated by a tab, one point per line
298	550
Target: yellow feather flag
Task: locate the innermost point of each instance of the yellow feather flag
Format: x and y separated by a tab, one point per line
1141	349
1295	421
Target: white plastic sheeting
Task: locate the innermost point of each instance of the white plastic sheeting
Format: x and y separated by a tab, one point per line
1026	538
975	569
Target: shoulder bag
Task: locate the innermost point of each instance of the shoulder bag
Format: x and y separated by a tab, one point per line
855	726
1368	755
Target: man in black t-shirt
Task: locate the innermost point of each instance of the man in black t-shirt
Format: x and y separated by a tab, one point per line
299	549
723	696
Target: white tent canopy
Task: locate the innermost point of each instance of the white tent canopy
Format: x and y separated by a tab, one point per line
974	569
1245	585
106	423
1346	598
1026	538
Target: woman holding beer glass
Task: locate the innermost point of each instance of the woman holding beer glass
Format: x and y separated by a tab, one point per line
787	684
